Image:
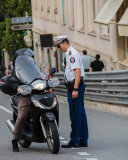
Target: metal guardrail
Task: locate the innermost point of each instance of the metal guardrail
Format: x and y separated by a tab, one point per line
106	87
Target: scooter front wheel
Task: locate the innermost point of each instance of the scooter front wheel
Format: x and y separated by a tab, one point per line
53	140
24	144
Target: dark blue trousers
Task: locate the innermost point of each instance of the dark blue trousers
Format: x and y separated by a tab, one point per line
79	126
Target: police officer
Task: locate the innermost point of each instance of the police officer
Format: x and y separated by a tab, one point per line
74	73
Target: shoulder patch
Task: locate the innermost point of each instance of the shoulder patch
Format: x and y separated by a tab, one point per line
72	59
70	53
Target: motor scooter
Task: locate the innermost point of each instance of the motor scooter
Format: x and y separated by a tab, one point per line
42	123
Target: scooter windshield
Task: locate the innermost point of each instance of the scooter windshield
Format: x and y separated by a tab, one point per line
27	70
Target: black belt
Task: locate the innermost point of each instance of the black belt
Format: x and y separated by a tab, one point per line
70	85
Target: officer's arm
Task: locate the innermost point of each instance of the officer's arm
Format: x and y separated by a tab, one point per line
77	77
77	81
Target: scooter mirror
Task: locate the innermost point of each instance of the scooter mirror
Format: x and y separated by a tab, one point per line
52	71
53	82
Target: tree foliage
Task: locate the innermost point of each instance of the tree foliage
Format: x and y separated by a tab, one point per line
9	39
17	8
13	40
2	31
2	34
2	9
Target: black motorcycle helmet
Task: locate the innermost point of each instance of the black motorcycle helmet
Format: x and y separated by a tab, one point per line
24	51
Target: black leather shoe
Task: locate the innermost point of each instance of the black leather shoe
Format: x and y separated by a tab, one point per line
83	144
76	146
69	145
15	146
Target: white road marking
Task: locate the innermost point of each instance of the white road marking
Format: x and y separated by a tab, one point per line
75	148
5	109
61	137
91	159
64	141
83	153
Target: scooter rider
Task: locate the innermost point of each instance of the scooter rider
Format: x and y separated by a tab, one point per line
23	109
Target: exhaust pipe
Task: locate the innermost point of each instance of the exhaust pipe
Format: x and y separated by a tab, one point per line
10	125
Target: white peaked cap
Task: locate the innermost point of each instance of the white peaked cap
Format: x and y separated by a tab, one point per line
57	40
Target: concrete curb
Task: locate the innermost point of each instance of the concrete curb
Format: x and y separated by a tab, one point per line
122	110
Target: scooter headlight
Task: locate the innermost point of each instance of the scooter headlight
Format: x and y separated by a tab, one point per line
39	85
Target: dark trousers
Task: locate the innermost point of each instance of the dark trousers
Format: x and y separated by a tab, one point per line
79	126
23	111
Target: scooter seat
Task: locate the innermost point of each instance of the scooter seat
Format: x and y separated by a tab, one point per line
14	100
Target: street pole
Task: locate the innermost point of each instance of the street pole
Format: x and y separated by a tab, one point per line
4	50
27	24
3	63
28	44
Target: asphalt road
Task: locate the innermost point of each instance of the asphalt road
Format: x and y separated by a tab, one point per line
108	137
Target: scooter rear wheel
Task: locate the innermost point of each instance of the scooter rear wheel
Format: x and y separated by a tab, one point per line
53	140
24	144
14	117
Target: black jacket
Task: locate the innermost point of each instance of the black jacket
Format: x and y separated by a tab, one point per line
16	82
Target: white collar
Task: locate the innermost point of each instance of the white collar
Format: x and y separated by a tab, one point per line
67	53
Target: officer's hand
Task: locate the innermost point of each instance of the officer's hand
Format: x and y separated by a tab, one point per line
74	94
19	90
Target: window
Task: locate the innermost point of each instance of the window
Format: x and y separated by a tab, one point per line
123	28
123	19
92	9
105	16
36	8
91	15
102	2
80	14
33	8
44	9
55	10
71	13
125	43
63	19
41	8
48	10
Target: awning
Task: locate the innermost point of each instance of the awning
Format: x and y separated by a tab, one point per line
105	15
123	24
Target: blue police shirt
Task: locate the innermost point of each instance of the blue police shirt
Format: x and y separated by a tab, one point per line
73	61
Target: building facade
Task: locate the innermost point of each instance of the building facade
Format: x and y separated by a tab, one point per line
75	18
